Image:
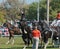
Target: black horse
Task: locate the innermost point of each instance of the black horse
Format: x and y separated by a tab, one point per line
48	33
55	34
26	33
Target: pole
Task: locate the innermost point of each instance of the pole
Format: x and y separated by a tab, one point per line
48	12
38	12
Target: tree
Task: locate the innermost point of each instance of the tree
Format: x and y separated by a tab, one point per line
10	9
43	9
13	8
2	18
32	11
54	7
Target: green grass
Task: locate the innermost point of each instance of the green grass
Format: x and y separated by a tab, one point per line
17	45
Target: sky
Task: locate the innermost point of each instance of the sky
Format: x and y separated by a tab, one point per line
27	1
0	1
30	1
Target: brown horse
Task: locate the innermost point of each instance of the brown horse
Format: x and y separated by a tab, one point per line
12	30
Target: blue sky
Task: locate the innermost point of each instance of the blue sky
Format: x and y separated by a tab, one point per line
0	1
27	1
30	1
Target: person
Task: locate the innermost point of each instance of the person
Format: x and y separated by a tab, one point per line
57	20
58	15
36	35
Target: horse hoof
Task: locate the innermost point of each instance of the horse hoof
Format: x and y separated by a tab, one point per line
23	48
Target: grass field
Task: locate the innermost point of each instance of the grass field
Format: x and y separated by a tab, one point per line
17	45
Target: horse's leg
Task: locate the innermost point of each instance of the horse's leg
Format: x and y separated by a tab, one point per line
9	39
59	37
25	45
25	41
12	35
46	44
12	40
30	37
28	41
31	40
52	38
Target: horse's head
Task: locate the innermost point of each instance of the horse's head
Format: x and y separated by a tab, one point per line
45	29
42	24
5	25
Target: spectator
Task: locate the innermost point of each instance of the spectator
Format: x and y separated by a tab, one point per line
36	35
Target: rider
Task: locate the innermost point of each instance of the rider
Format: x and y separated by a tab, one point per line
57	20
58	15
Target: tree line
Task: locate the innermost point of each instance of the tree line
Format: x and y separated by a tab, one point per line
11	9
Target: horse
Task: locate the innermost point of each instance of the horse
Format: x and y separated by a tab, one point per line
45	32
26	33
12	31
55	25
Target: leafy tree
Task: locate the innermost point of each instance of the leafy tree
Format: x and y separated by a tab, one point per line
43	9
2	18
32	11
54	7
13	8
